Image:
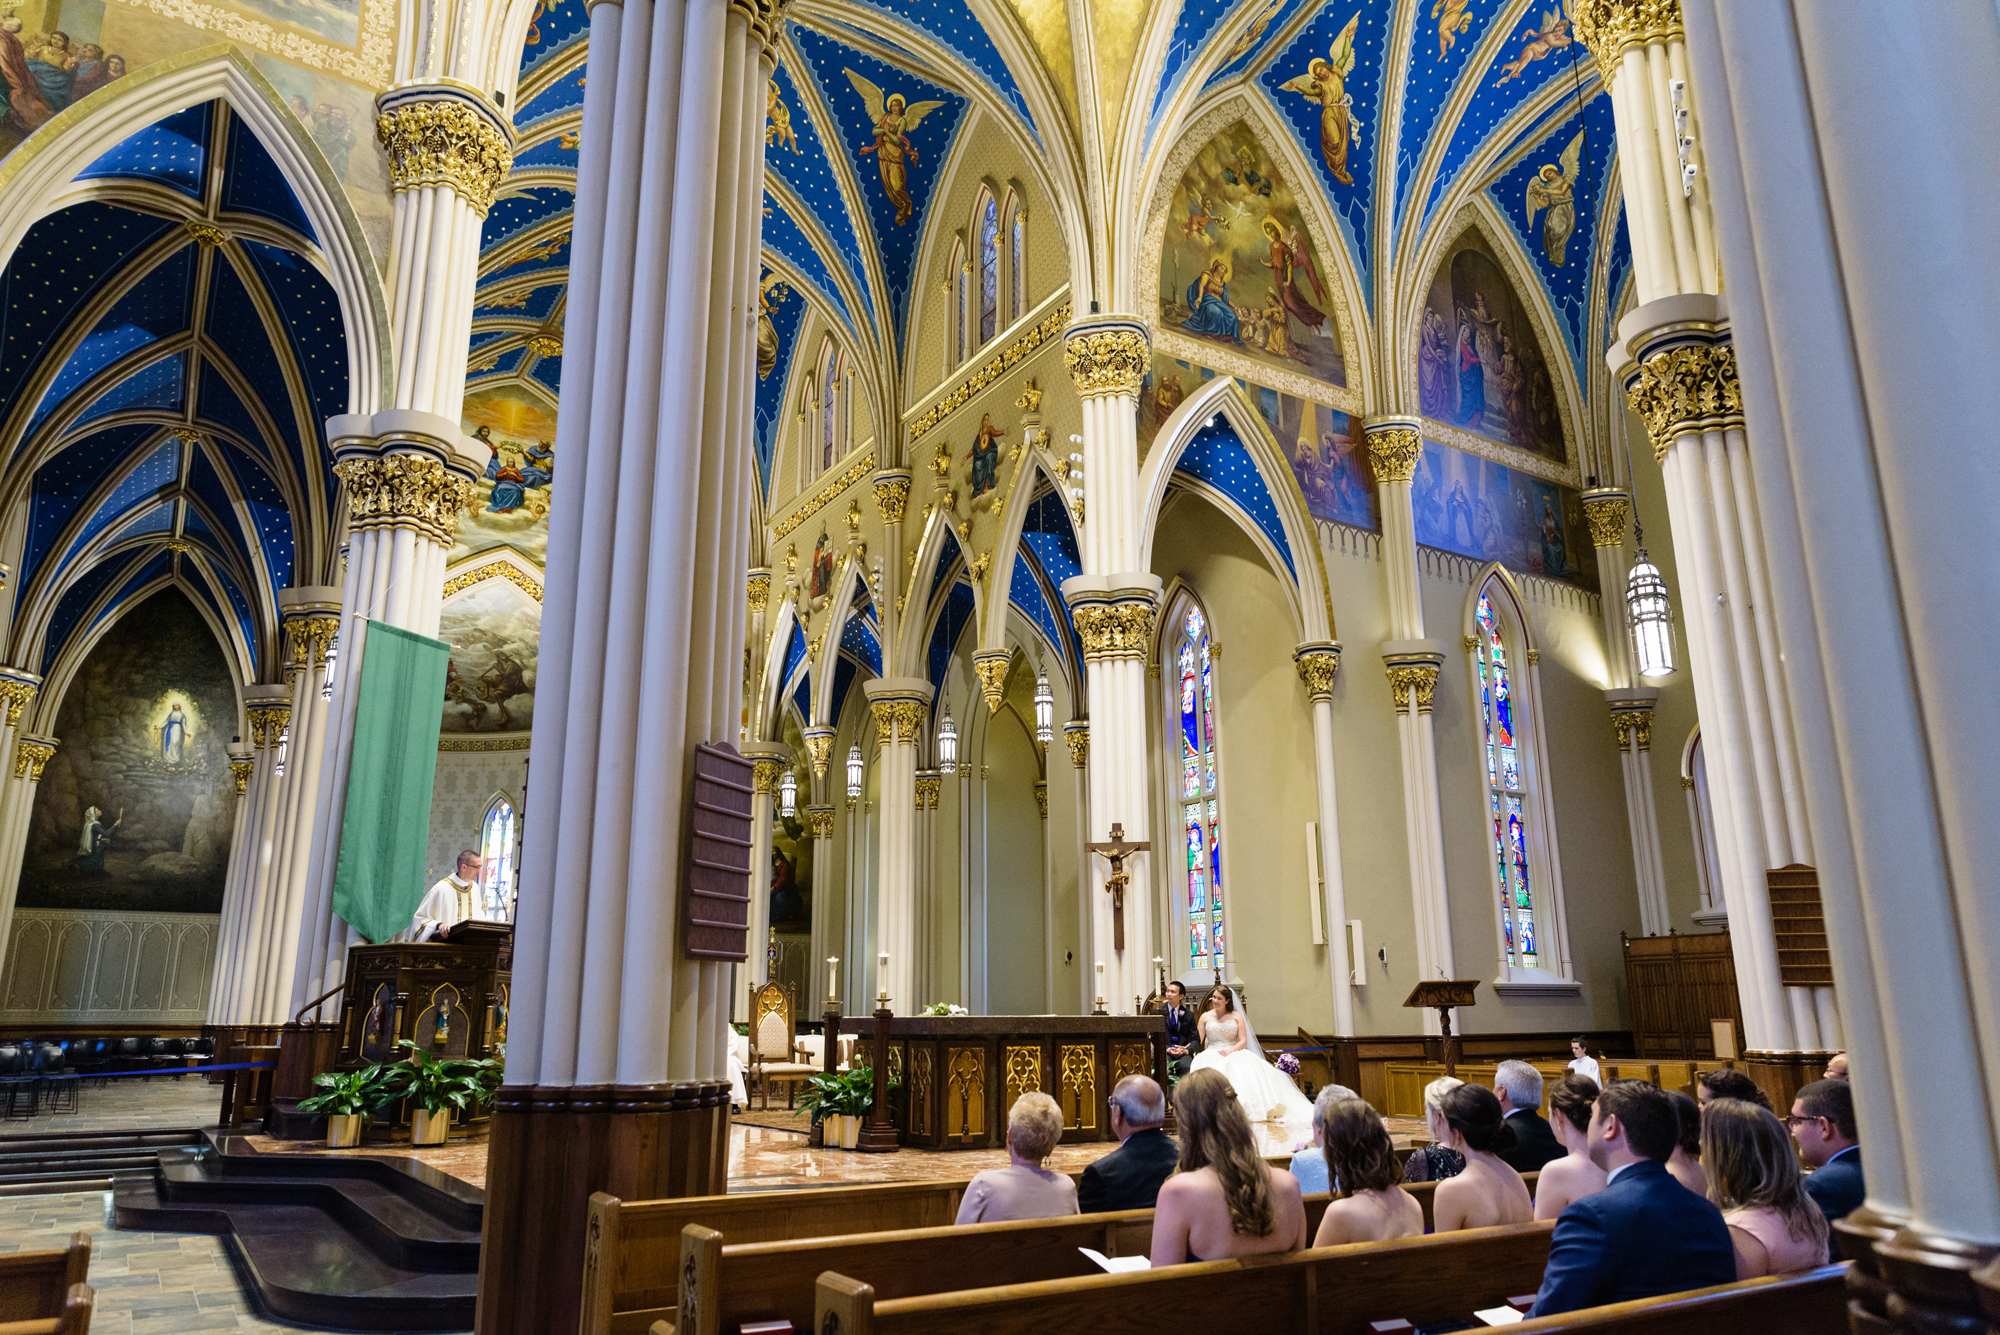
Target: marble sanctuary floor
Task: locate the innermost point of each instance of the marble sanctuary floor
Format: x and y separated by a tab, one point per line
135	1103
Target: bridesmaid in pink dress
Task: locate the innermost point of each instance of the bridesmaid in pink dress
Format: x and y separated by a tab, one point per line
1753	1175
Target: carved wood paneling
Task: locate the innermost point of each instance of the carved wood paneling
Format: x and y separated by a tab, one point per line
89	966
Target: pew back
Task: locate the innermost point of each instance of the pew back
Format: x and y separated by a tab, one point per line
1808	1303
34	1286
1329	1291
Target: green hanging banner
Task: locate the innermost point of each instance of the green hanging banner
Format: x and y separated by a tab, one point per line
385	829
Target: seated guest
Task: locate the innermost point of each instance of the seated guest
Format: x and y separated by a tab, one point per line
1181	1039
1685	1164
1129	1177
1518	1086
1023	1189
1487	1191
1644	1234
1225	1200
1376	1208
1822	1122
1712	1085
1836	1067
1583	1063
1309	1164
1575	1175
1437	1161
1754	1176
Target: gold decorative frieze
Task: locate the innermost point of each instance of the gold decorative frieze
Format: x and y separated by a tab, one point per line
1606	511
1107	361
241	769
1079	1087
1685	389
1114	630
1078	741
898	720
824	497
995	367
30	756
405	491
444	143
266	723
1023	1065
1607	27
507	742
1318	665
764	775
1419	677
992	671
1394	451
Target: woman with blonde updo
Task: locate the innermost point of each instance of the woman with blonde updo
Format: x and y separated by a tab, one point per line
1223	1200
1023	1189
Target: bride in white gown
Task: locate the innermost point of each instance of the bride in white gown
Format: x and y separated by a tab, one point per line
1229	1045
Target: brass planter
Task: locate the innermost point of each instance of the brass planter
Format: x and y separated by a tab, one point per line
429	1128
343	1130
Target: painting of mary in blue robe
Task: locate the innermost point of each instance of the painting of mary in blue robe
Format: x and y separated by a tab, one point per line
1208	303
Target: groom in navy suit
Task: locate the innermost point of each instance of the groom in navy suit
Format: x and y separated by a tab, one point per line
1644	1234
1180	1029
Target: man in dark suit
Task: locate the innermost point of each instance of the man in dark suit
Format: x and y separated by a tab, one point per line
1822	1122
1180	1029
1518	1086
1129	1177
1644	1234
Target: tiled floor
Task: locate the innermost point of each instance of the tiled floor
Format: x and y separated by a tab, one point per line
147	1283
130	1104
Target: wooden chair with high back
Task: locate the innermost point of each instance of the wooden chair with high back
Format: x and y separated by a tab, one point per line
775	1053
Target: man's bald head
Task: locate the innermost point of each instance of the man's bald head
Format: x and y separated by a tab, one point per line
1140	1101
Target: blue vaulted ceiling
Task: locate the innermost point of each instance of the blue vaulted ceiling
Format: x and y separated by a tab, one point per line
168	357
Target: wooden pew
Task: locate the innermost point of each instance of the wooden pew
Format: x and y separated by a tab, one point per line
1325	1291
38	1289
1808	1303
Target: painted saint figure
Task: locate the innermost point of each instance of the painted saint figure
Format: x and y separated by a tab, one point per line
1552	36
1325	82
1554	188
769	291
1471	376
1434	367
892	119
173	736
1287	256
1208	303
985	456
96	840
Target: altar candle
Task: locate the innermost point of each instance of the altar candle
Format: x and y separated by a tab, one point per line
833	977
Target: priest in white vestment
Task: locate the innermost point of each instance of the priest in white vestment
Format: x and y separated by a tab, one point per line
453	900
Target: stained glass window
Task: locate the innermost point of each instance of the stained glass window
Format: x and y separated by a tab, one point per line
1201	829
1499	723
989	270
828	414
1018	271
496	847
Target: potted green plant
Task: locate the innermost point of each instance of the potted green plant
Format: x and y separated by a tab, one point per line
346	1098
440	1086
824	1099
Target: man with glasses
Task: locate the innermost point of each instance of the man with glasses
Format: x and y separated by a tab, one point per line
1129	1177
1822	1122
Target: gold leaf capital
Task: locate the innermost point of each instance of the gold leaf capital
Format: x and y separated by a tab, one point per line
444	143
1107	361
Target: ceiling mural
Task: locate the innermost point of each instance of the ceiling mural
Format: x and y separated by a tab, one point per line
781	310
517	425
1480	366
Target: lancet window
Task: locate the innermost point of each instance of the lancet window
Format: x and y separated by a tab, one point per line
496	847
1507	794
1197	788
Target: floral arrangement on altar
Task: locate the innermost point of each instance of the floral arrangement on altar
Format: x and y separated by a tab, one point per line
1288	1063
943	1008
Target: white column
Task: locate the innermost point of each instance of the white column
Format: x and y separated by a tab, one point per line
18	690
819	819
405	477
900	704
769	761
17	808
1318	663
1076	736
1394	446
1048	899
930	791
1867	406
244	949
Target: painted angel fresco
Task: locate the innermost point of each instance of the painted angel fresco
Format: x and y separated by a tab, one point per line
1554	188
1452	20
1253	31
892	117
768	292
778	118
1552	36
1325	82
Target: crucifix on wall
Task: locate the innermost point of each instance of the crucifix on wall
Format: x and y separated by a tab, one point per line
1115	852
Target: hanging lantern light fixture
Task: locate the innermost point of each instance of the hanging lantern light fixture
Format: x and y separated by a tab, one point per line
332	653
854	770
1045	708
788	794
1652	617
947	741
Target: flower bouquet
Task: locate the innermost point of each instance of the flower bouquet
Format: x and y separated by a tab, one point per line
943	1008
1288	1064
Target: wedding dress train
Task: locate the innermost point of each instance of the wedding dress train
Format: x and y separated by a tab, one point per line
1265	1092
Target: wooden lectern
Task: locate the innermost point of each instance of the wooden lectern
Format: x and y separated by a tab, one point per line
1444	993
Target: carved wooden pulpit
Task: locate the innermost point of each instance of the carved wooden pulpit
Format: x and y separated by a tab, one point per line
1115	852
1444	993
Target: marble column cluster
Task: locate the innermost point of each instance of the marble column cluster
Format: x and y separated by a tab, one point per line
1076	739
1395	444
1318	665
930	792
1607	510
1114	604
1858	348
621	1035
901	705
1678	336
24	756
768	761
244	933
405	476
